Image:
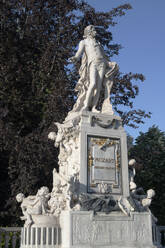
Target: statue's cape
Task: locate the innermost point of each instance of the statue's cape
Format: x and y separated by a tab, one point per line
83	84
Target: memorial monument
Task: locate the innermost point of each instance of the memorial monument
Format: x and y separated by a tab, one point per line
94	201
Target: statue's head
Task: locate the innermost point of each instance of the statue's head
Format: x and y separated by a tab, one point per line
20	197
132	162
52	136
89	31
150	193
43	191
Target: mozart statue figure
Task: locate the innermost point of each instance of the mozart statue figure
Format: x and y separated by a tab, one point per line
95	72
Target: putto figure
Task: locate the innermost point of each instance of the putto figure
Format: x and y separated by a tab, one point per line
34	204
95	73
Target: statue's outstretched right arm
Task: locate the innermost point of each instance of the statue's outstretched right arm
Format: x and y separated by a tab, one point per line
79	52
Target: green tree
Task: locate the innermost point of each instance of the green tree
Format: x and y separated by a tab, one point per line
37	86
149	152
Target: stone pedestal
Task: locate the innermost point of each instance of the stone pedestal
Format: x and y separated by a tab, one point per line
103	154
86	229
90	205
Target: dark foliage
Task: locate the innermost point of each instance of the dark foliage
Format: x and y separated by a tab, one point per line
149	152
37	86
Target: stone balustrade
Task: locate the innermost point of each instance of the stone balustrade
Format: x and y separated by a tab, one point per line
162	235
10	236
40	237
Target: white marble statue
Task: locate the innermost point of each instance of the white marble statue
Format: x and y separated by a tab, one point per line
132	171
64	195
146	202
139	201
34	204
67	139
95	73
57	202
142	201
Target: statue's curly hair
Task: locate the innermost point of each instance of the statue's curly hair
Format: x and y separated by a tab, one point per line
87	31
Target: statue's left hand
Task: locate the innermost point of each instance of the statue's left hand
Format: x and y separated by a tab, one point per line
73	59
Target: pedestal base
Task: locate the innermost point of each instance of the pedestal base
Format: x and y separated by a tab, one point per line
84	229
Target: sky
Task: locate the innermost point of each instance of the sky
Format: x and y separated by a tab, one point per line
141	32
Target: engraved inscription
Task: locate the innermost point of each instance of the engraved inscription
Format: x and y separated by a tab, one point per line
106	160
103	162
103	174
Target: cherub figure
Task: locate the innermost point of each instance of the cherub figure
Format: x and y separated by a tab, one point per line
142	200
132	171
146	202
34	205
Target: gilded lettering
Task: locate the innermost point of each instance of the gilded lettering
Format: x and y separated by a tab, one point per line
105	160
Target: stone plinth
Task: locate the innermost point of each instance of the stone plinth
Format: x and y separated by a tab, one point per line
84	229
103	152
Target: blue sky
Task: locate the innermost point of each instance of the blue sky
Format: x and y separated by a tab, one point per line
141	32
